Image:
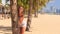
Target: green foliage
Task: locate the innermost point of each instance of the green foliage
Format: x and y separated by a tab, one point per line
0	1
38	4
24	3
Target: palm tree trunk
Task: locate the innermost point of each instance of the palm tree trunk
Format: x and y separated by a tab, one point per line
36	9
14	16
29	16
2	11
36	13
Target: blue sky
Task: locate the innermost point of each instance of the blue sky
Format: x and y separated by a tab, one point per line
54	3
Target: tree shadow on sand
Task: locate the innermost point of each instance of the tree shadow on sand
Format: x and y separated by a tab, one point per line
5	28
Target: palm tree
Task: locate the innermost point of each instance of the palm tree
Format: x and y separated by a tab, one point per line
14	16
29	15
36	8
38	5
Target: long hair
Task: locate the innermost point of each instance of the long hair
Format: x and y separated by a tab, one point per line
19	9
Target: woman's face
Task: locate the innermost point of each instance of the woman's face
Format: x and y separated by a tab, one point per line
21	11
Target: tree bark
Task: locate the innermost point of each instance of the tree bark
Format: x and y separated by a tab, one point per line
14	16
36	12
29	16
36	9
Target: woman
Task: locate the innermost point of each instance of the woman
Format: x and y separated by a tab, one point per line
21	22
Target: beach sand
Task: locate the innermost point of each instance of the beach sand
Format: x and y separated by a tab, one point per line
44	24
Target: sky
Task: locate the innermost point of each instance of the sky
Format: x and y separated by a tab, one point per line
55	3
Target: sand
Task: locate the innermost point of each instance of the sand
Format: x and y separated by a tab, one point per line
44	24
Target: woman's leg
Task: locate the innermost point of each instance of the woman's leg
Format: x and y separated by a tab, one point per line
23	27
22	30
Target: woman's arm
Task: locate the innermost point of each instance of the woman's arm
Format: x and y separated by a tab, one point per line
20	20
